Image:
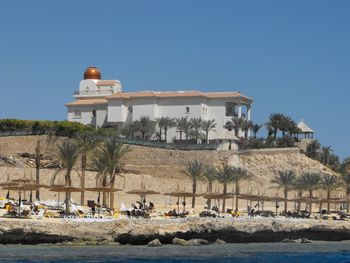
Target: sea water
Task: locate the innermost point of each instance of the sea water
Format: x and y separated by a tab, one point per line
258	252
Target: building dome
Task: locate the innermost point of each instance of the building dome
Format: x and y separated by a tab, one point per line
92	73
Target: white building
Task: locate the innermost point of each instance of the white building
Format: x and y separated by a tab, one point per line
103	103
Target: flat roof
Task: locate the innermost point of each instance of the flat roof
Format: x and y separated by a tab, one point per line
176	94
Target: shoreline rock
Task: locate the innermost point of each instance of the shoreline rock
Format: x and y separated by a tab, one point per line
187	232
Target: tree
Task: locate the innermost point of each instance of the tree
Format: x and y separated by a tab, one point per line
345	166
182	125
310	182
256	127
225	175
193	170
247	125
196	126
86	142
160	122
293	129
145	125
208	126
240	174
345	182
37	168
168	123
313	149
210	174
129	129
236	125
67	154
285	180
285	123
274	123
329	183
108	163
299	187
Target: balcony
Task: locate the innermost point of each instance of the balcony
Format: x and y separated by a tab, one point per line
92	93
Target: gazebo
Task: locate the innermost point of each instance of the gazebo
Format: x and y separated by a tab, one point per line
305	129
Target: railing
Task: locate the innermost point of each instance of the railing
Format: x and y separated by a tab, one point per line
93	92
210	146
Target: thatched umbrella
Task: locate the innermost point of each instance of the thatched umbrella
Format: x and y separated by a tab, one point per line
218	196
20	188
65	189
142	192
181	193
103	190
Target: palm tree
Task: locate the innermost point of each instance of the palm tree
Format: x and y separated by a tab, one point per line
247	125
86	142
208	126
285	180
108	162
326	154
145	125
293	130
129	129
160	122
310	181
225	175
37	168
329	183
237	124
210	174
194	170
345	181
182	125
256	127
240	174
168	123
98	164
285	124
67	154
299	187
345	166
313	150
196	126
274	122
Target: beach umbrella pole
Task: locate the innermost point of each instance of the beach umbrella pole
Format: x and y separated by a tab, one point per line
178	205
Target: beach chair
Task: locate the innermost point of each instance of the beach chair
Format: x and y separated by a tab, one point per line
40	214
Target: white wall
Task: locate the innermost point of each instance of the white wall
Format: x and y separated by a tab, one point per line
144	107
117	111
207	109
87	115
87	85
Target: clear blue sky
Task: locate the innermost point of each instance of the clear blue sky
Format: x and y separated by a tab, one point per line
291	56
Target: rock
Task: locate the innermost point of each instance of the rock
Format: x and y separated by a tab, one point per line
287	240
219	241
179	241
154	243
197	242
300	240
304	240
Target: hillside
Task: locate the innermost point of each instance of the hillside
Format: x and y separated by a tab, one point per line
161	169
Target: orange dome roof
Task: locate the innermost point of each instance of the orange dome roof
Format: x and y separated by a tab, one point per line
92	73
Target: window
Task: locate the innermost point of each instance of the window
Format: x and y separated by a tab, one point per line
231	109
187	109
94	113
77	114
